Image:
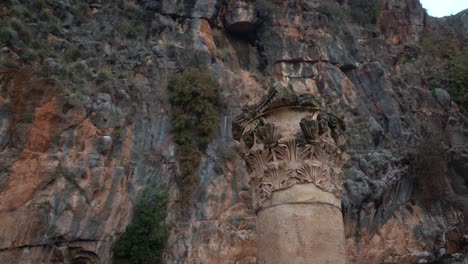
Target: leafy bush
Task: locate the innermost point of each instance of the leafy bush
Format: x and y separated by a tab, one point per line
438	45
81	12
146	236
132	29
103	75
9	63
131	9
365	12
194	97
336	15
457	84
72	53
454	79
23	32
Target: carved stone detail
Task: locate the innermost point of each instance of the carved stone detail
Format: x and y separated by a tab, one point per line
282	152
290	163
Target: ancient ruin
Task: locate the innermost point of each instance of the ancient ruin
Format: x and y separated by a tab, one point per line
294	150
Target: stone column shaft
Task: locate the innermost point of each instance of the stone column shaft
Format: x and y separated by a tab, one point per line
294	152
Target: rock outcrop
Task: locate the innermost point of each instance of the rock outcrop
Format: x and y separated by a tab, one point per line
240	17
84	128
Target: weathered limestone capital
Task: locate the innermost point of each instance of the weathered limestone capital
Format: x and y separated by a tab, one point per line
294	150
291	141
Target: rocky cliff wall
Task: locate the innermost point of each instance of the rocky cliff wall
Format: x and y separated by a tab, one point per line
76	155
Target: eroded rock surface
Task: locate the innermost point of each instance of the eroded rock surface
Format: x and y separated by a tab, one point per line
240	17
73	164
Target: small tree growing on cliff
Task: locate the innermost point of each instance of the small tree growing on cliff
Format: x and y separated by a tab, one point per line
194	98
458	81
145	237
365	12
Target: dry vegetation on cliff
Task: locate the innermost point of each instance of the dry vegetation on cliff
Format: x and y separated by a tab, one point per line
363	12
99	92
48	35
454	59
457	83
195	101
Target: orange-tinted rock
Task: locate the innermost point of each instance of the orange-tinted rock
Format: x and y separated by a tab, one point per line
46	124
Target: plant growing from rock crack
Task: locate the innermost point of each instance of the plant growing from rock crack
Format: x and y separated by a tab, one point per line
458	81
194	98
365	12
146	236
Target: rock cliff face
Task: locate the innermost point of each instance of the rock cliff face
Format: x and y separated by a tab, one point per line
74	162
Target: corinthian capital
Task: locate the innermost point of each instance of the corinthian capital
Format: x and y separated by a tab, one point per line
288	140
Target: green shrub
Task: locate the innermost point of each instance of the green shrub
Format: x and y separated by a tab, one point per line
365	12
131	10
438	45
132	29
336	16
125	74
194	98
72	53
55	3
48	16
81	12
103	75
5	36
9	63
104	87
23	32
27	56
457	84
454	79
146	236
38	4
21	11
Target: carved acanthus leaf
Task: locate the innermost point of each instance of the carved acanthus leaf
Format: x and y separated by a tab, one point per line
274	180
290	152
308	173
257	161
279	159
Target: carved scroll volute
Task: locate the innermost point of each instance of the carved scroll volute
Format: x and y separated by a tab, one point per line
310	129
269	134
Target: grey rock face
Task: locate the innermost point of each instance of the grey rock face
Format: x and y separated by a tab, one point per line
443	98
108	115
72	169
240	17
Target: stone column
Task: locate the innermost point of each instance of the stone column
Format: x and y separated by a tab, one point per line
294	150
